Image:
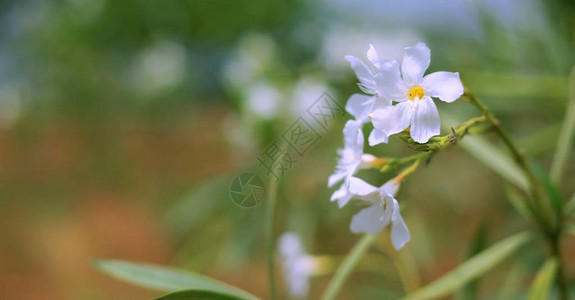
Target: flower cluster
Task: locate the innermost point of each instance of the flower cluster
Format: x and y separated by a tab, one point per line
396	99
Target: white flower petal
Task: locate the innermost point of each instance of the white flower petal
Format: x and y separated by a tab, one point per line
380	103
415	61
359	106
353	137
360	187
373	57
363	73
290	245
388	81
342	195
339	175
390	187
399	231
444	85
368	220
393	119
426	121
298	283
377	136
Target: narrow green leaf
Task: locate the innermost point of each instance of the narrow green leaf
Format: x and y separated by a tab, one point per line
541	141
492	157
570	206
198	206
166	279
565	143
472	268
519	202
198	295
543	281
511	285
550	188
347	266
477	244
496	84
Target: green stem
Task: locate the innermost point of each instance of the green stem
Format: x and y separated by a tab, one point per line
547	218
347	266
565	137
550	226
270	212
434	144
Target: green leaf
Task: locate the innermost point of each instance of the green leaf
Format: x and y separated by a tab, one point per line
541	141
550	188
472	268
543	280
198	206
166	279
519	202
570	206
511	285
492	157
565	143
477	244
198	295
347	266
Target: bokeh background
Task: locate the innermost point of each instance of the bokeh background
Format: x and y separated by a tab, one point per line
122	124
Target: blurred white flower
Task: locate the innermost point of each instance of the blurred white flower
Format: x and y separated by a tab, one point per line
263	100
350	161
253	55
413	91
296	264
383	209
306	92
159	67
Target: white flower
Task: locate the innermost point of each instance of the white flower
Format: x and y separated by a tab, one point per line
360	106
383	209
351	160
305	93
413	91
296	264
263	100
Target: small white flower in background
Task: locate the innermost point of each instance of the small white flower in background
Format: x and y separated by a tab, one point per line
413	91
252	57
383	209
159	68
351	160
296	264
305	93
263	100
361	106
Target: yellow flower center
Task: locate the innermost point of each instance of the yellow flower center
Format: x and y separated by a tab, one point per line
415	91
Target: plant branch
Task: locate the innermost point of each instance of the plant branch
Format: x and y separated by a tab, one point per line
270	214
549	222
